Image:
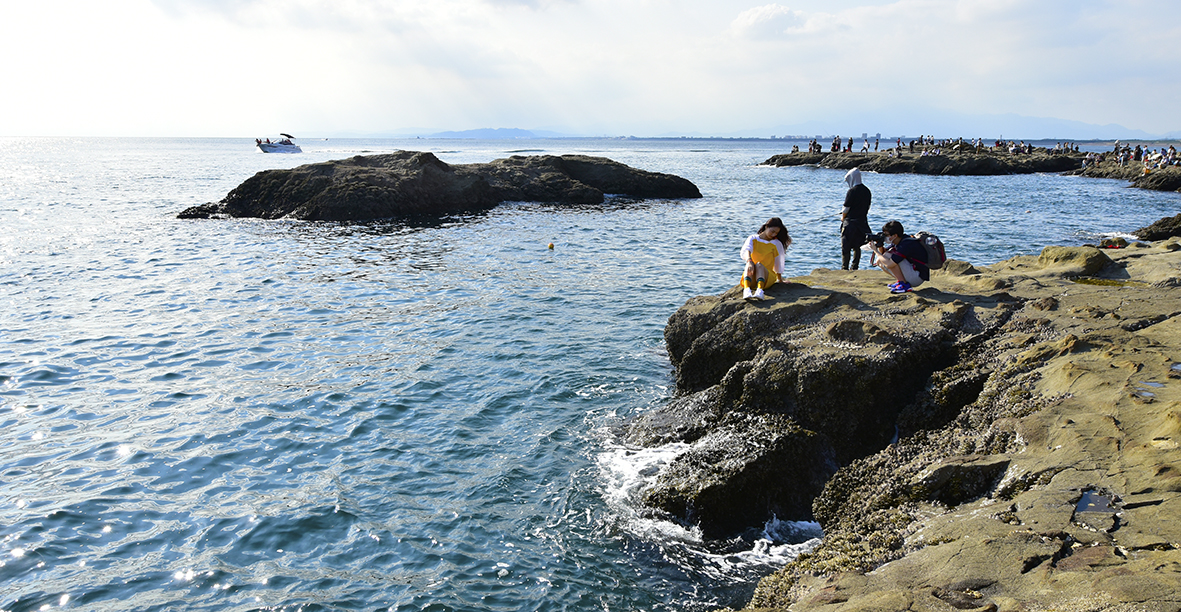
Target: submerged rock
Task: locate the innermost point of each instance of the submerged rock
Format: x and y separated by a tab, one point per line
1020	393
409	183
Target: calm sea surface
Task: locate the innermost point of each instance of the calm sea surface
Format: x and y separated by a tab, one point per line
279	415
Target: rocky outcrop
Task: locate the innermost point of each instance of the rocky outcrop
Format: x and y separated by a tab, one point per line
1037	403
949	162
409	183
1156	179
786	391
1160	229
967	161
1167	179
814	375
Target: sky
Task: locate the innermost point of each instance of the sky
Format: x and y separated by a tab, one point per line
233	68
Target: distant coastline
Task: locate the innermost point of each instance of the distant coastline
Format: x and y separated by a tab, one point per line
520	134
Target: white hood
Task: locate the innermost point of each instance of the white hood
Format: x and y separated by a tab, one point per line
853	178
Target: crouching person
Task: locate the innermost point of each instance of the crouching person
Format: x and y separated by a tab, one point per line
900	256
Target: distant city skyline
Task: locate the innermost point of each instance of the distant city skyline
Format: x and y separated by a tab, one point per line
1031	69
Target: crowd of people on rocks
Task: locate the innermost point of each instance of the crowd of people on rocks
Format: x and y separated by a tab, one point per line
1124	155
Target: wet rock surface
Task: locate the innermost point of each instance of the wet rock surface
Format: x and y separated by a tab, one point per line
1037	408
409	183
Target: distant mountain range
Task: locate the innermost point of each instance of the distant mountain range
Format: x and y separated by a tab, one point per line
941	124
498	133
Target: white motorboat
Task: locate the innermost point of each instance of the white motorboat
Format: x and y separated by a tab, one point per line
281	146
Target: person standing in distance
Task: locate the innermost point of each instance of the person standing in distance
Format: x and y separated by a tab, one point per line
854	219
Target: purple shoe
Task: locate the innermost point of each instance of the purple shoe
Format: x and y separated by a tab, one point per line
901	288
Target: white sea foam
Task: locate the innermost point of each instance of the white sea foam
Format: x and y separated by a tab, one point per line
1114	235
627	471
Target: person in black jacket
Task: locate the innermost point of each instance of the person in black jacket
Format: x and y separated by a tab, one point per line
854	219
905	259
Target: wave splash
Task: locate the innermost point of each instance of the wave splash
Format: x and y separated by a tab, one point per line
627	471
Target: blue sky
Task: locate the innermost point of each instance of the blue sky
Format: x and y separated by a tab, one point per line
589	67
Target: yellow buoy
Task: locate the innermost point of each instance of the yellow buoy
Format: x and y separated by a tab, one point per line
551	246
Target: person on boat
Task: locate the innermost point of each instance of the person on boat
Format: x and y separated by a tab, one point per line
902	257
763	253
854	219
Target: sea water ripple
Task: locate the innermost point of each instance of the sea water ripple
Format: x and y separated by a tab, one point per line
245	414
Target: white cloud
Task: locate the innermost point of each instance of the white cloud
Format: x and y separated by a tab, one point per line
241	67
767	21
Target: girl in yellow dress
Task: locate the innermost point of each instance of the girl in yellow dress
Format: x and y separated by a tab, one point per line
763	254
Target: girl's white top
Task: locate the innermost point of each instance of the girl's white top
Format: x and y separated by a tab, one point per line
749	246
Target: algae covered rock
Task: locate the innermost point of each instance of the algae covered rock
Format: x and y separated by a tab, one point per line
956	480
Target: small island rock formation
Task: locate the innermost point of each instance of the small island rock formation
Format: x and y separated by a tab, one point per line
965	160
411	183
962	161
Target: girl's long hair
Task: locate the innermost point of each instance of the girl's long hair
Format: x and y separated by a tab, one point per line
782	236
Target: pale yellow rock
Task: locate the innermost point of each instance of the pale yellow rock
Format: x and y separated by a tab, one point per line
1096	343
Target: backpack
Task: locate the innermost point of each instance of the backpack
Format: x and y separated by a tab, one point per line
935	253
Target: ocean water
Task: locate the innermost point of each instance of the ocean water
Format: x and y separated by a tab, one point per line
281	415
